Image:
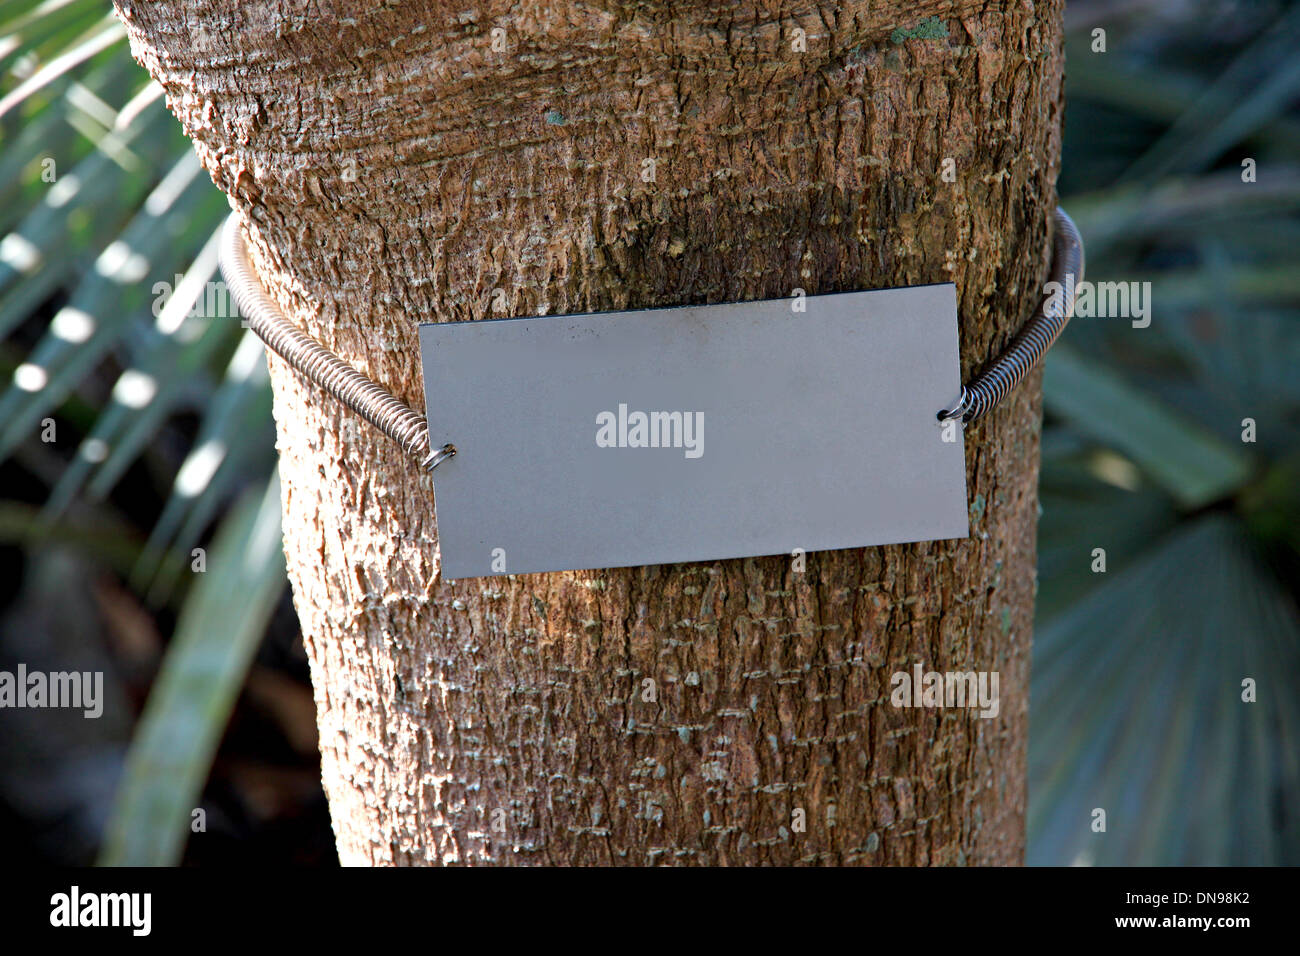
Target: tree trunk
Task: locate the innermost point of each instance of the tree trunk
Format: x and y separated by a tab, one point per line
408	162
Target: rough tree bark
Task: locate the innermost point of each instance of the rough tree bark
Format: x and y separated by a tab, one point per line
402	162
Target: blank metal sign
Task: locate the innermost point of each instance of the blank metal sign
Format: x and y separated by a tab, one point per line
695	433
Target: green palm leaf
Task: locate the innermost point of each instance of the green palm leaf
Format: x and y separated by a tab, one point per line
192	697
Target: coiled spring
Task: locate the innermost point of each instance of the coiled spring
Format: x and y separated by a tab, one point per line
409	428
1030	343
372	402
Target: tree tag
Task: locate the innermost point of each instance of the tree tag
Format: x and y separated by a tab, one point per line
696	433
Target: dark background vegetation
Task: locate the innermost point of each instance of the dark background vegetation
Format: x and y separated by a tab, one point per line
163	443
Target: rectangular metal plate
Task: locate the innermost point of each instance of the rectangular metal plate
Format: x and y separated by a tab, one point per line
776	429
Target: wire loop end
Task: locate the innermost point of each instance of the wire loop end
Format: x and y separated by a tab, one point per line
438	457
958	410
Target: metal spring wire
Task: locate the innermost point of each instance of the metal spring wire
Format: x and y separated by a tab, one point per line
371	401
410	429
1031	342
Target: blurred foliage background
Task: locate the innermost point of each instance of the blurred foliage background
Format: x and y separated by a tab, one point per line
136	448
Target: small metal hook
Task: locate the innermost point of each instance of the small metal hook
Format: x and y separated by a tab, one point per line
958	410
438	457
